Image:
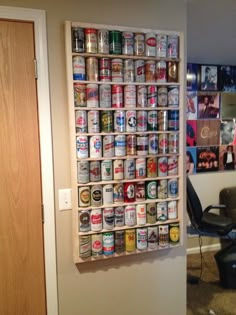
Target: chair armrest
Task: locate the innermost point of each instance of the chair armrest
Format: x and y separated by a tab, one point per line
214	207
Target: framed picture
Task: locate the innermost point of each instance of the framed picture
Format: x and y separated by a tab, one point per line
208	132
207	159
227	78
227	156
191	161
191	133
228	105
192	76
208	78
208	106
191	105
228	131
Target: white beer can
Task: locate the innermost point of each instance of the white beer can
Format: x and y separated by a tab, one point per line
95	146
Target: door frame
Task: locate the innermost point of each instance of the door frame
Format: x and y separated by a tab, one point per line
45	135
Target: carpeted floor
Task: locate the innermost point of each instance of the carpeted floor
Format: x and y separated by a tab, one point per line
208	297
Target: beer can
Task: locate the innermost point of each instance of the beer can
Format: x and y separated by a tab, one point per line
80	95
78	68
83	172
106	121
174	234
173	96
131	143
141	238
127	43
141	120
117	96
106	170
77	34
84	196
95	146
96	240
129	169
118	193
150	44
90	40
130	121
129	192
104	69
140	168
139	71
162	118
162	96
150	71
142	145
117	70
105	95
84	221
173	46
152	144
173	120
141	96
107	194
93	121
128	70
162	166
130	215
108	218
173	141
119	216
152	96
172	165
173	188
92	95
163	143
162	189
140	194
108	243
119	121
82	147
95	171
119	241
85	246
161	50
172	71
163	232
139	44
81	121
120	145
96	220
130	96
151	189
152	120
92	69
130	240
115	40
152	237
161	69
118	169
103	41
172	210
162	211
108	146
96	195
151	213
151	167
141	214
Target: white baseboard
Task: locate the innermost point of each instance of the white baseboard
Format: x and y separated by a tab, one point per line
206	248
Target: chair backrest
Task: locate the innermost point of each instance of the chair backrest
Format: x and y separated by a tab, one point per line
194	206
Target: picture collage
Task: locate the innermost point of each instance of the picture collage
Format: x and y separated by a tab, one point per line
210	118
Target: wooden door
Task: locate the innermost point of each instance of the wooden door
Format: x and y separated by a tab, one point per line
22	274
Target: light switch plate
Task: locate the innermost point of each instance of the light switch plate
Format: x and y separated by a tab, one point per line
65	199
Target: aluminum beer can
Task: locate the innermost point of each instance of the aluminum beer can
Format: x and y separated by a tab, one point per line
152	96
118	193
151	189
129	169
161	70
92	95
78	68
96	220
83	172
107	193
131	143
152	120
119	241
162	189
103	41
130	121
162	96
129	192
104	69
163	143
139	71
162	118
82	147
130	215
128	70
108	218
91	40
118	169
95	171
127	43
173	96
173	46
161	50
152	237
150	71
95	146
139	44
151	213
162	166
130	96
173	120
140	168
141	96
92	69
152	144
96	195
105	95
174	234
80	95
130	240
120	145
173	141
162	211
163	232
141	214
117	70
172	165
84	221
84	196
140	194
96	245
106	170
115	42
152	167
77	34
150	43
141	120
172	210
108	243
142	145
141	238
85	246
117	96
93	121
119	216
108	146
173	189
106	121
119	121
172	71
81	121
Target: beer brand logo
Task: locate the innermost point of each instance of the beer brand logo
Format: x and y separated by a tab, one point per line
151	41
97	245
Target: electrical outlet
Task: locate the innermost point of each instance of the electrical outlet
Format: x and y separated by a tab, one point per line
65	199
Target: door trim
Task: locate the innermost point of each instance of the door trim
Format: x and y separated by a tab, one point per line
45	134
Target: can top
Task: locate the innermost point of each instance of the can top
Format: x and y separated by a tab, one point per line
90	30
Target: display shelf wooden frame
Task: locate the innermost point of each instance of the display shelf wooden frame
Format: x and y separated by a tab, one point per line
73	134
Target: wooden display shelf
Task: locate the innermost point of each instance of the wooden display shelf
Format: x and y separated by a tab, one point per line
127	83
126	157
158	108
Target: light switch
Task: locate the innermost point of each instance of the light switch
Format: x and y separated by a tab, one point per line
64	199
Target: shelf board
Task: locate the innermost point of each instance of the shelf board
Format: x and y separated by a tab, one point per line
128	83
136	109
125	157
